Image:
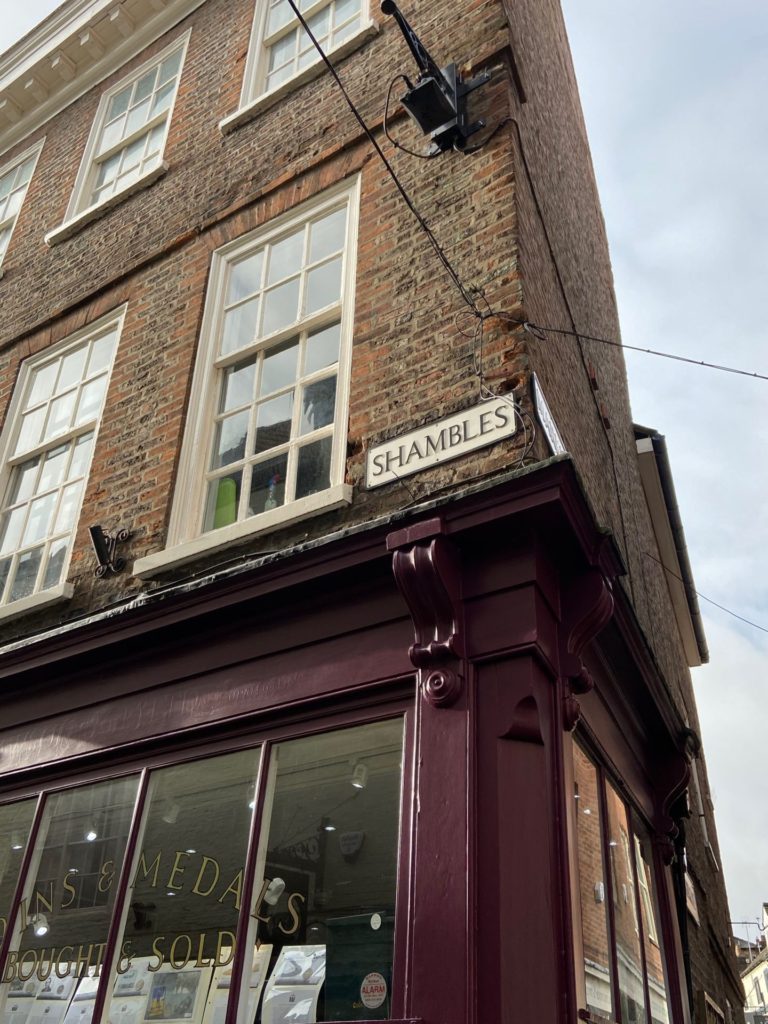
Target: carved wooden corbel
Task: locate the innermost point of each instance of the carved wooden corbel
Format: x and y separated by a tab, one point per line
587	609
427	573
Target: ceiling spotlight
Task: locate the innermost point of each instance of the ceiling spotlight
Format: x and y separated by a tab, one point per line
40	925
91	834
360	776
16	843
329	827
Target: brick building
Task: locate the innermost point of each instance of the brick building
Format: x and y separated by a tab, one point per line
345	621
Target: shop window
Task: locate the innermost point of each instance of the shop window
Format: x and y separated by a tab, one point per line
47	447
265	877
15	822
14	181
281	49
129	132
624	968
592	888
266	437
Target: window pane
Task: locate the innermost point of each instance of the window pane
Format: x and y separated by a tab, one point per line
23	481
43	381
68	898
53	467
345	9
279	367
144	86
279	15
13	524
281	306
318	405
169	67
55	566
91	397
267	485
26	574
240	326
15	822
327	235
39	519
592	888
326	905
31	430
654	949
80	456
322	349
119	103
137	117
286	257
72	367
229	443
70	503
237	387
323	286
245	278
222	501
626	923
314	473
60	415
273	424
186	887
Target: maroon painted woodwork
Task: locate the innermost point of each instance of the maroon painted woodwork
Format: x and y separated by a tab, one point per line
505	604
428	575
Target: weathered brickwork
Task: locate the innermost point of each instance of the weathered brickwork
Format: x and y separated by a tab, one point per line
520	221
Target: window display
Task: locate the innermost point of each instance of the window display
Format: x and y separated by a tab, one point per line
156	939
624	968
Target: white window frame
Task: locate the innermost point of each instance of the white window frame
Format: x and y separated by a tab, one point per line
186	541
115	319
32	153
254	80
80	206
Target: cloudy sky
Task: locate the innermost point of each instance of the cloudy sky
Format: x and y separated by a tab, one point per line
674	99
674	96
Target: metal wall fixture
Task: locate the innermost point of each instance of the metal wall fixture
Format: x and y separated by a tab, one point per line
438	101
104	547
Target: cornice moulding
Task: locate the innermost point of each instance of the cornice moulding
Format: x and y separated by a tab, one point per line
58	43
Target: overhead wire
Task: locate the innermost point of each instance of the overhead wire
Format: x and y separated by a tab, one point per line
486	392
703	597
439	251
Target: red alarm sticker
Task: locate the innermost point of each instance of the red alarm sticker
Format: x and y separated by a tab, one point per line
373	990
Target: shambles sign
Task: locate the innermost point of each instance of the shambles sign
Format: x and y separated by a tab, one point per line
447	439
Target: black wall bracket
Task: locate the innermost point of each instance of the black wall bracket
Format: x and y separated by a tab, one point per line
105	546
438	100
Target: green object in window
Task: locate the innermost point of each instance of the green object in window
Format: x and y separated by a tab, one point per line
226	503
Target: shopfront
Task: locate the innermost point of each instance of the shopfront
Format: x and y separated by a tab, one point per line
385	777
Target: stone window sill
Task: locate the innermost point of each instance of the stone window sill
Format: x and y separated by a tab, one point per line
229	536
36	602
80	220
266	100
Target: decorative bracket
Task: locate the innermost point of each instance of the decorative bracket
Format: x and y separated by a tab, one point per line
587	609
105	547
427	573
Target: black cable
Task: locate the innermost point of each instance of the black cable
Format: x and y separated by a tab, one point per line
577	335
707	599
469	150
395	143
648	351
390	170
